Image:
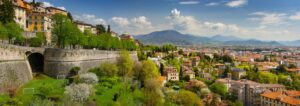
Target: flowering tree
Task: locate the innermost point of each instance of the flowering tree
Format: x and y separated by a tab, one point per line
88	78
78	92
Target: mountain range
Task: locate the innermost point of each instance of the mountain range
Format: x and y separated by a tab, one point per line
177	38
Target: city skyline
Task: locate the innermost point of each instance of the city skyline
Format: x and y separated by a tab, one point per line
250	19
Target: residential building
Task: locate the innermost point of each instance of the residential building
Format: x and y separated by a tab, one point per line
113	34
238	73
85	26
126	37
187	63
280	98
253	92
195	61
248	91
171	73
21	7
188	72
39	22
54	10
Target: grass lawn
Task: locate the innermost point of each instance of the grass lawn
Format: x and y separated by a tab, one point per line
54	88
3	98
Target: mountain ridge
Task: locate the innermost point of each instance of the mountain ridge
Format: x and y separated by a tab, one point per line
177	38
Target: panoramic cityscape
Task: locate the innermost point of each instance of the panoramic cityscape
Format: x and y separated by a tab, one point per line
149	53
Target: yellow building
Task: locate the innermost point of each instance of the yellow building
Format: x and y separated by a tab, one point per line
38	22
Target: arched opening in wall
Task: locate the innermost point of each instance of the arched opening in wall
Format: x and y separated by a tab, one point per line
36	61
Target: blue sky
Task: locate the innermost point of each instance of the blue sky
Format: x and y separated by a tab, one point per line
258	19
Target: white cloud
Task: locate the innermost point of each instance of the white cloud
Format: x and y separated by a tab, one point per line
91	19
120	21
63	8
295	16
47	4
136	25
189	2
141	22
28	0
189	24
236	3
268	18
212	4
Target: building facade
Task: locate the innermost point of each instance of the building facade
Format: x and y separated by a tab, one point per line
280	98
84	26
21	8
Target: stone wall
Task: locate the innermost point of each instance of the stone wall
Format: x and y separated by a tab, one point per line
14	69
61	61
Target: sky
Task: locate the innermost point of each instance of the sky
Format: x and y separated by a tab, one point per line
250	19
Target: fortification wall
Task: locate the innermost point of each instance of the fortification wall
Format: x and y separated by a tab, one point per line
14	69
61	61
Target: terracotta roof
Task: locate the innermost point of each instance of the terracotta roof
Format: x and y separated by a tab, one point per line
293	69
288	97
23	4
291	100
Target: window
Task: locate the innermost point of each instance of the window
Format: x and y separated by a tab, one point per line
35	28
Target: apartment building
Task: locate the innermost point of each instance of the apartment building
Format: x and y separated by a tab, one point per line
280	98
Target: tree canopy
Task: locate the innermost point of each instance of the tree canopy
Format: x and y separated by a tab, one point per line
7	12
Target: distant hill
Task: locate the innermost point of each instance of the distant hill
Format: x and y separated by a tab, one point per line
177	38
226	38
252	42
291	43
173	37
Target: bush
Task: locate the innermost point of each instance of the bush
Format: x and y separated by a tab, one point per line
218	88
88	78
106	70
78	92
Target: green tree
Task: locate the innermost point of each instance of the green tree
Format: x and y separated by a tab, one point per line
3	31
70	16
36	4
292	66
149	70
267	77
107	70
100	29
218	88
7	13
14	32
281	69
188	98
125	65
38	40
75	38
108	29
174	62
62	30
152	93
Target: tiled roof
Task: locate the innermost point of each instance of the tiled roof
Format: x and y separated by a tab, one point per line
288	97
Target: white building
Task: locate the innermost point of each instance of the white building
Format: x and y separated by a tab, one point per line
84	26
